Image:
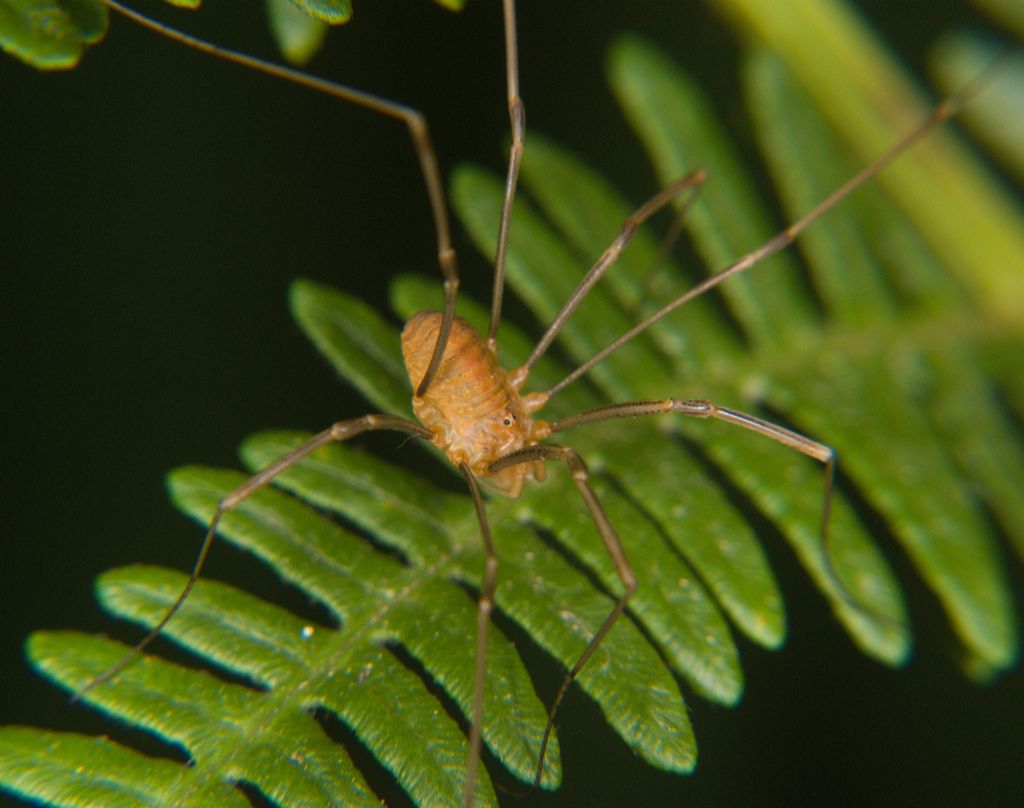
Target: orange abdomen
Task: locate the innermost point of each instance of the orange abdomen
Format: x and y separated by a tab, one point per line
472	408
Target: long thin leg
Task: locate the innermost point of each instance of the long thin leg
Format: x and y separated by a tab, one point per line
341	431
699	408
691	182
940	114
418	131
517	118
611	543
485	605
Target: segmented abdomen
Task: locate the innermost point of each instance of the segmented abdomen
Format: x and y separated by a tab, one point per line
475	413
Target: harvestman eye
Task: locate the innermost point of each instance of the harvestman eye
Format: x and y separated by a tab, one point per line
459	387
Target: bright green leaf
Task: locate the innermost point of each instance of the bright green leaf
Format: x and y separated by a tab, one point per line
65	769
872	349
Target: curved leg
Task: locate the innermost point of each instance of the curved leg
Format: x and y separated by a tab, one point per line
485	605
517	119
939	115
418	131
611	543
699	408
341	431
689	183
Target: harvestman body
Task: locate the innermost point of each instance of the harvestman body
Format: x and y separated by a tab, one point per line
477	413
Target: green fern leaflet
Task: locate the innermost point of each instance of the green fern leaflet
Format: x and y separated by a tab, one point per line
884	355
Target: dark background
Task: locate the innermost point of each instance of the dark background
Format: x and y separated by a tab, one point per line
155	206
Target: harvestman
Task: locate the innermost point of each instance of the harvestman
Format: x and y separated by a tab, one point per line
475	412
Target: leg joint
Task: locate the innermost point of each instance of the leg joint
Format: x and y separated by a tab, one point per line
697	407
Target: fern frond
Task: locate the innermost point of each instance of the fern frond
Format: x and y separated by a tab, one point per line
881	356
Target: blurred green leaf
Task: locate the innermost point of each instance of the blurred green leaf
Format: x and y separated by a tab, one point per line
51	34
872	102
298	34
997	116
866	341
